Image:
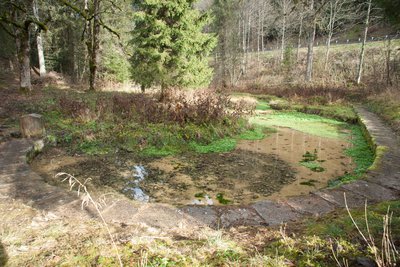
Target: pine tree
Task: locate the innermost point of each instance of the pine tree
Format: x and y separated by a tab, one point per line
170	48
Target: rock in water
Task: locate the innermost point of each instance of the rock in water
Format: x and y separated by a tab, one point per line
32	126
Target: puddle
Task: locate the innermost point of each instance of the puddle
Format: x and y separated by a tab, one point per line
132	187
293	147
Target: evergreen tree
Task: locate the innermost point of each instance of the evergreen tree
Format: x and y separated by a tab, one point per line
170	48
392	10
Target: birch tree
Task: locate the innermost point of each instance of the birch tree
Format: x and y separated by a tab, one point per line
338	12
313	10
362	51
285	8
311	38
39	42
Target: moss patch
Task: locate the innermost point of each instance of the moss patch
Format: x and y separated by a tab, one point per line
312	124
219	146
361	153
379	152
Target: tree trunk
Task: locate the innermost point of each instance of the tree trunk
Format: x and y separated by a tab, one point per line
262	29
388	55
95	45
299	37
328	47
23	51
310	53
361	58
258	36
42	66
283	29
244	49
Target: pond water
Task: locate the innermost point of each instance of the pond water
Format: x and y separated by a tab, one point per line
264	169
291	146
286	163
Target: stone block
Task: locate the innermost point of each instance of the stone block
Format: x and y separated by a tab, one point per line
32	126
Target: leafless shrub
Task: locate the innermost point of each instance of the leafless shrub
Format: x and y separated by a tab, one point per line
386	255
77	109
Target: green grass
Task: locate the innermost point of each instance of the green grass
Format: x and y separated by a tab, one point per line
159	152
339	225
3	255
218	146
222	200
311	124
338	112
310	182
256	133
262	105
361	153
313	166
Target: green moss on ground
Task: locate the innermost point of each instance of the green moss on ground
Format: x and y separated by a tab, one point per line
379	152
262	105
339	224
344	113
312	124
361	153
108	133
218	146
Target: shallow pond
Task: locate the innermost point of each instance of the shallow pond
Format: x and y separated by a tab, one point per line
292	146
304	153
263	169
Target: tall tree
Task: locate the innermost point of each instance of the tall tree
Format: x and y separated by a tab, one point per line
362	51
39	42
391	9
285	8
16	18
313	9
338	13
229	50
311	38
91	12
169	46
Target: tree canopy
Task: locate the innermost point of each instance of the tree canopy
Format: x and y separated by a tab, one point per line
170	48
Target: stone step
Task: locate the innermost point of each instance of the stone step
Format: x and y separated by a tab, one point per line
310	205
237	216
372	191
204	215
276	213
19	176
14	168
337	197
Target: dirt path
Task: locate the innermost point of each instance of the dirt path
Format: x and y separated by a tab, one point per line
18	181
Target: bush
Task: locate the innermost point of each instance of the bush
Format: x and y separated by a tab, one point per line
77	109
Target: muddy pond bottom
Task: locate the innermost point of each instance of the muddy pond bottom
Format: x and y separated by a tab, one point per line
285	163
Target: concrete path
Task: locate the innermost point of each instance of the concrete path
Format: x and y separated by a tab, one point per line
18	181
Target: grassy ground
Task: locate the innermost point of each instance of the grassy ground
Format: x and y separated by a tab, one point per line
36	240
93	134
387	105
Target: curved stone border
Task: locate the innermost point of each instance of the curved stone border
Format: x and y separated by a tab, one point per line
381	183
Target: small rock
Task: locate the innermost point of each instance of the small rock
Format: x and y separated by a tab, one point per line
365	262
